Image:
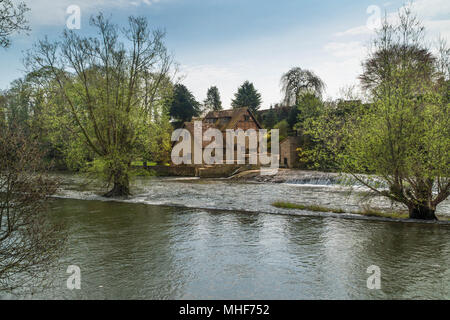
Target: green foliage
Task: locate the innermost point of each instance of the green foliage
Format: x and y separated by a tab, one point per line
2	109
247	96
24	105
159	143
184	106
315	208
399	147
270	119
314	126
280	113
365	212
283	128
322	133
212	102
105	97
403	135
19	103
309	106
292	117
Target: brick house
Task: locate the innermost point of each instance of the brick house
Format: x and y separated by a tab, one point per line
240	118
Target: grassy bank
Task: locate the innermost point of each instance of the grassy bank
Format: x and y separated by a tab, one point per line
316	208
289	205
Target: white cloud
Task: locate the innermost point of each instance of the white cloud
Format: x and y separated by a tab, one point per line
438	27
433	13
344	64
264	59
356	31
198	78
431	8
346	49
339	73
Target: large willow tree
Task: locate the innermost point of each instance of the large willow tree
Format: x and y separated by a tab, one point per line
111	85
403	139
297	82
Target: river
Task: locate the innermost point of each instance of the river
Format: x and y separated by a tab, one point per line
217	239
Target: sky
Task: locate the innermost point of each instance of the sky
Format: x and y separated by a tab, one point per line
226	42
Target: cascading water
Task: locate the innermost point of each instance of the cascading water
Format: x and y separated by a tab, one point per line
324	190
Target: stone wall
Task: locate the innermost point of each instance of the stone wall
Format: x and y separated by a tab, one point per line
288	152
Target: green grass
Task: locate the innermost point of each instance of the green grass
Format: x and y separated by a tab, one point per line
365	212
141	163
376	213
288	205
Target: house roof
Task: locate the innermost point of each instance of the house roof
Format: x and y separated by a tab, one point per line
233	114
296	139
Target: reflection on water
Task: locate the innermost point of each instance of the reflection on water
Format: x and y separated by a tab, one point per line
129	250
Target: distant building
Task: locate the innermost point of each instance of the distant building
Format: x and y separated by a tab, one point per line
241	118
288	152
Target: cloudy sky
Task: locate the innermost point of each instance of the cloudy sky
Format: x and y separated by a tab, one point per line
225	42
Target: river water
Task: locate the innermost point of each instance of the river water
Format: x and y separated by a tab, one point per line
167	242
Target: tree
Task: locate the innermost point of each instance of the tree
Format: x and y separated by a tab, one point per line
322	133
212	102
109	90
283	128
159	144
313	153
247	96
184	106
29	242
271	119
298	81
12	19
399	148
3	102
309	106
18	103
292	117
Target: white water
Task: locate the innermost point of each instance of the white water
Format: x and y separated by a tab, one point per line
224	194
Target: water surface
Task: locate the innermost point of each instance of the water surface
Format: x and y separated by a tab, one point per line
140	248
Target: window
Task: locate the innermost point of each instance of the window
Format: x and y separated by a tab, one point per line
246	118
225	120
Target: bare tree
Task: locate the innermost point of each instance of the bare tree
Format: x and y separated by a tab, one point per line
443	58
12	19
29	241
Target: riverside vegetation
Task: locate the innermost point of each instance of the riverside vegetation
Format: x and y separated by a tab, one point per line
99	104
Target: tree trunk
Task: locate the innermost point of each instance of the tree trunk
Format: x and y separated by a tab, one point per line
422	212
121	186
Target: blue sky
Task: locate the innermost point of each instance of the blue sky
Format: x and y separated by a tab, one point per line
225	42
